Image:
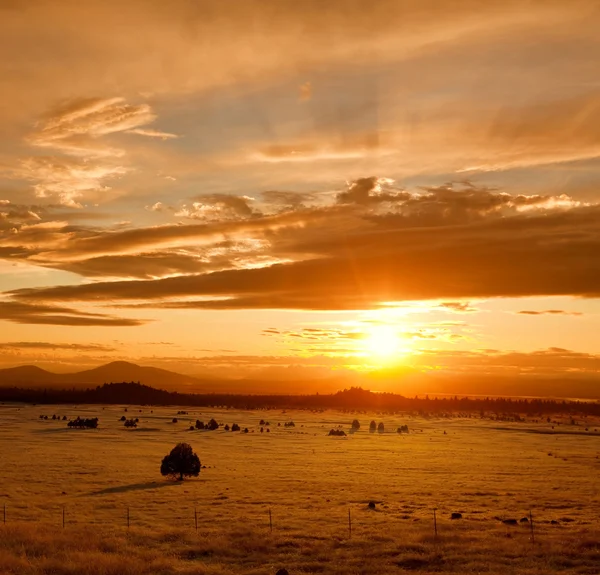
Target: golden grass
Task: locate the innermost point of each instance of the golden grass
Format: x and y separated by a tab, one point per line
33	549
309	481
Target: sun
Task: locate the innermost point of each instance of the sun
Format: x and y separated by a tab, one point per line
382	341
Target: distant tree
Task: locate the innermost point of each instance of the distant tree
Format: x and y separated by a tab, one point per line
80	423
199	424
181	461
372	427
123	418
380	427
174	420
356	425
235	427
212	425
226	428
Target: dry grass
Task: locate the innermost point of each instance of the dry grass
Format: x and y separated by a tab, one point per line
309	481
32	549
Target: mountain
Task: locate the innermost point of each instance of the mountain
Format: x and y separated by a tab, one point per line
117	371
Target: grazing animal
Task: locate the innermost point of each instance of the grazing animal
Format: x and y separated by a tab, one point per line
456	516
510	522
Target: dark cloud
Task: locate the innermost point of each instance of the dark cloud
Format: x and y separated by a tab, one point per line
372	190
457	306
549	312
553	254
47	345
26	313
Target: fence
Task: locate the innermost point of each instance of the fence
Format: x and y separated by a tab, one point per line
190	517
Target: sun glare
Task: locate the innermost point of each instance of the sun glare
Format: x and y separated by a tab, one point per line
382	341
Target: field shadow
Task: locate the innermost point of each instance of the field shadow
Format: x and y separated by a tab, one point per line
135	487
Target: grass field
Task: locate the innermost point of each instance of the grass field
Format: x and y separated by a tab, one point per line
484	469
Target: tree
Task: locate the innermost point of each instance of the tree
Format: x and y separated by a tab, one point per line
372	427
181	461
380	427
356	425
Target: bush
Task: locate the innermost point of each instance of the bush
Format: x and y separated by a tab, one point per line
80	423
355	425
226	428
337	432
181	461
372	427
130	423
174	420
199	424
380	428
235	427
212	425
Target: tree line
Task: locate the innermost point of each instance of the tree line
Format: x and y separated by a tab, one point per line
353	399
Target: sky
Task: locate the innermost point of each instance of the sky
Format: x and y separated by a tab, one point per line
301	190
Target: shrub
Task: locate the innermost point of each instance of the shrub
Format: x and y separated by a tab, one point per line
199	424
355	425
337	432
235	427
130	423
372	427
181	461
226	428
380	428
174	420
80	423
212	425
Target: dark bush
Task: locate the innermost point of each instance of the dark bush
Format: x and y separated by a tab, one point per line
226	428
372	427
235	427
130	423
337	432
199	424
174	420
212	425
380	428
80	423
355	425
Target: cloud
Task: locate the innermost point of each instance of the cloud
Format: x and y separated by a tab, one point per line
25	313
81	162
153	134
350	256
218	207
371	190
288	201
47	345
457	306
549	312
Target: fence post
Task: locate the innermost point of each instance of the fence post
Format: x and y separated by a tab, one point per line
349	525
196	518
270	521
531	526
435	523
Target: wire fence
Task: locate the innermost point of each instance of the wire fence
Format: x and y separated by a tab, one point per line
344	520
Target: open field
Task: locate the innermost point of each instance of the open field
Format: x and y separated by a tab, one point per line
483	469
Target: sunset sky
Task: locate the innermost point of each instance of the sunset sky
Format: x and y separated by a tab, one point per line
267	188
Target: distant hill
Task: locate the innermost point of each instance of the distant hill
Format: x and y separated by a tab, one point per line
33	376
